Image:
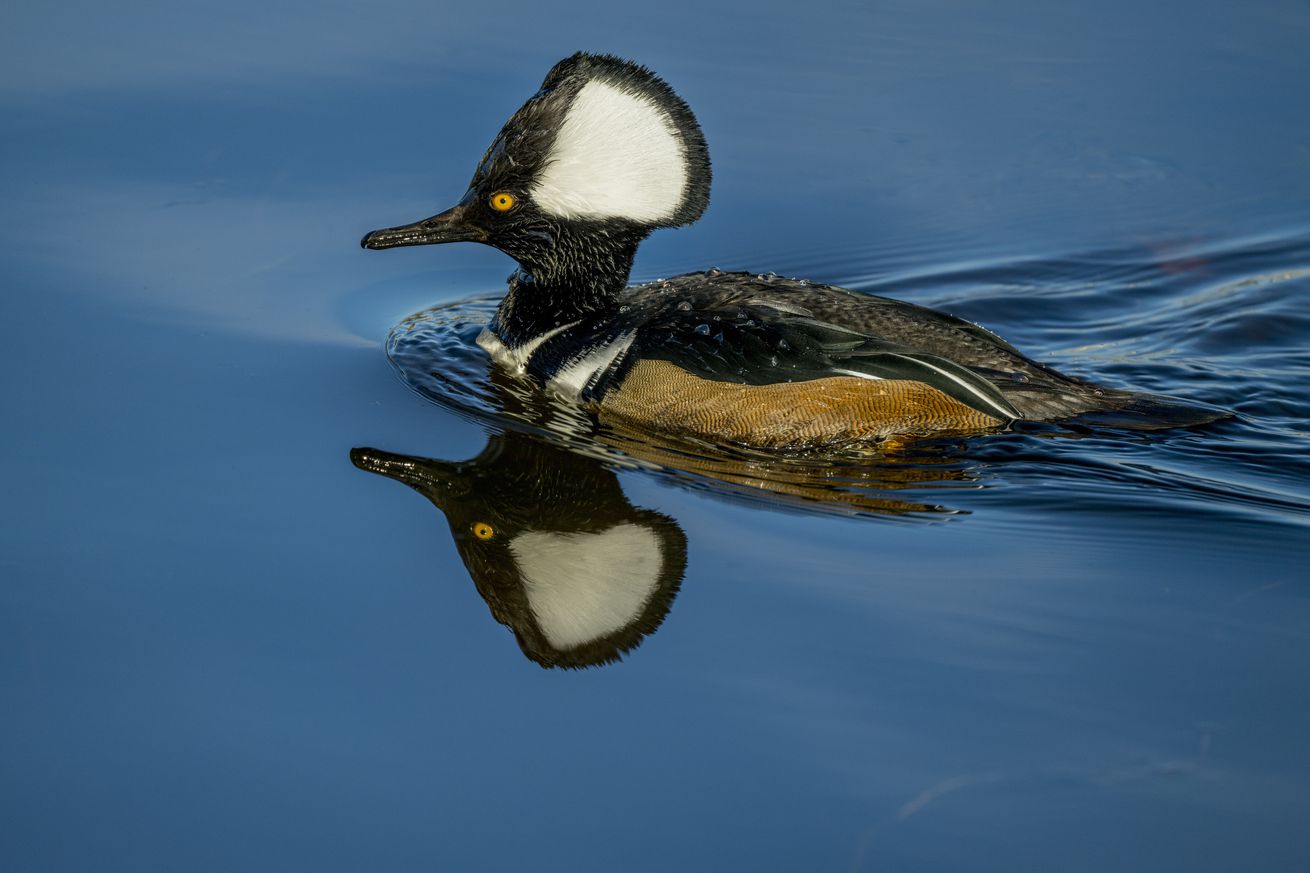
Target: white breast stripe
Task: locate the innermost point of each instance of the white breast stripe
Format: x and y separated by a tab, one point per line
570	381
516	360
584	586
616	155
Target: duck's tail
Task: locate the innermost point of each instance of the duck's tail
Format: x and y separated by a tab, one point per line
1136	410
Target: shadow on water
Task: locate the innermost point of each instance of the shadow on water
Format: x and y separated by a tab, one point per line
577	572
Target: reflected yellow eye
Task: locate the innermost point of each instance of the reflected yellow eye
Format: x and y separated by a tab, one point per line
502	202
483	531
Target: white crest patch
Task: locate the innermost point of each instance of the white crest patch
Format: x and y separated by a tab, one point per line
617	155
584	586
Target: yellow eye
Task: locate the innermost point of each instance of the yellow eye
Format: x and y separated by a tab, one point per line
502	202
483	531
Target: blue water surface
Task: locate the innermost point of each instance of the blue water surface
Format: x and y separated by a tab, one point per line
223	647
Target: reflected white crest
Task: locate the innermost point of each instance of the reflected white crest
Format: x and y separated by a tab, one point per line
584	586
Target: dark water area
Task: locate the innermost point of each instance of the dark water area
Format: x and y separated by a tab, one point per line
224	646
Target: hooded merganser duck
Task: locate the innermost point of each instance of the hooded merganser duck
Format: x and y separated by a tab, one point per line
561	556
605	153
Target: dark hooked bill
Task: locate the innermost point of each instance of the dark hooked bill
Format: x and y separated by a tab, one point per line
448	226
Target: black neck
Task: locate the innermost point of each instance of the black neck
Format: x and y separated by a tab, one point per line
579	276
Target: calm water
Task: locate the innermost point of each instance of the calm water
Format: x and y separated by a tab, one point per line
224	647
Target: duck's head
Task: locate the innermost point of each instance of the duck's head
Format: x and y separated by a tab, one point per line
599	157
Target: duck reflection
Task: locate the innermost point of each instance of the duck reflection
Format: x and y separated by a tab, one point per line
579	574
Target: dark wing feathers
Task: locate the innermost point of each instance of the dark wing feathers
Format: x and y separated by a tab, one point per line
827	329
759	343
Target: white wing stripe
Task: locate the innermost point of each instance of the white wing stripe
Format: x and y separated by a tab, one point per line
991	404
